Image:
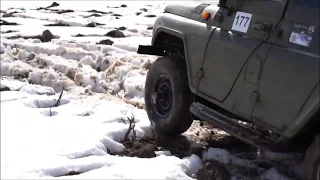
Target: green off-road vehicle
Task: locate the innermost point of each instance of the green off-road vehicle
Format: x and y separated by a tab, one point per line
231	61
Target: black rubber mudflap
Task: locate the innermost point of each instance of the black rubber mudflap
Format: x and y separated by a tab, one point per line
238	130
151	50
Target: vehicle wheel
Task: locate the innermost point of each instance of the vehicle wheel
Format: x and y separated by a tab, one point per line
311	163
168	97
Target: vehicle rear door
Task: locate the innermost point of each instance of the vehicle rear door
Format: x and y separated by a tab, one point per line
291	68
239	34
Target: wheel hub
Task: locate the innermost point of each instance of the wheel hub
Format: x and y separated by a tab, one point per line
162	97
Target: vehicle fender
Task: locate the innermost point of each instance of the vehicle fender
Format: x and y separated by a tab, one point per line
195	36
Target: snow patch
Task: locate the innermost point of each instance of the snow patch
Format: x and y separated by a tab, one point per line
44	102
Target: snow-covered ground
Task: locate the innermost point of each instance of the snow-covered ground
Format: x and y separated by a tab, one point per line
103	84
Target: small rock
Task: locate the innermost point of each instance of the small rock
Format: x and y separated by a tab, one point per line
144	9
5	89
3	22
117	15
138	13
94	24
122	28
106	42
123	5
96	11
133	30
112	7
54	4
117	18
71	173
115	34
57	24
150	15
79	35
9	31
47	36
9	14
150	28
15	37
64	11
94	15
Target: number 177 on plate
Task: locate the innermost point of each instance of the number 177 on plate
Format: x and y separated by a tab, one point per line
241	22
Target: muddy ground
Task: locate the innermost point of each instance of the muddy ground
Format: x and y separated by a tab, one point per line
198	139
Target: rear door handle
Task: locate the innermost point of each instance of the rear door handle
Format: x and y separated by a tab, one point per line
262	27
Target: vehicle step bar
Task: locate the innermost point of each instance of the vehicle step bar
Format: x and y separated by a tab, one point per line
238	130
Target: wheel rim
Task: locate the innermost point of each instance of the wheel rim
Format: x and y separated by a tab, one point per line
162	96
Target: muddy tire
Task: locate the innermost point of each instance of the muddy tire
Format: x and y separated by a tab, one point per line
311	163
168	97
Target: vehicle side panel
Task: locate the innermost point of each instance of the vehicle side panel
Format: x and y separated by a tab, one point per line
287	79
229	49
291	70
225	57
